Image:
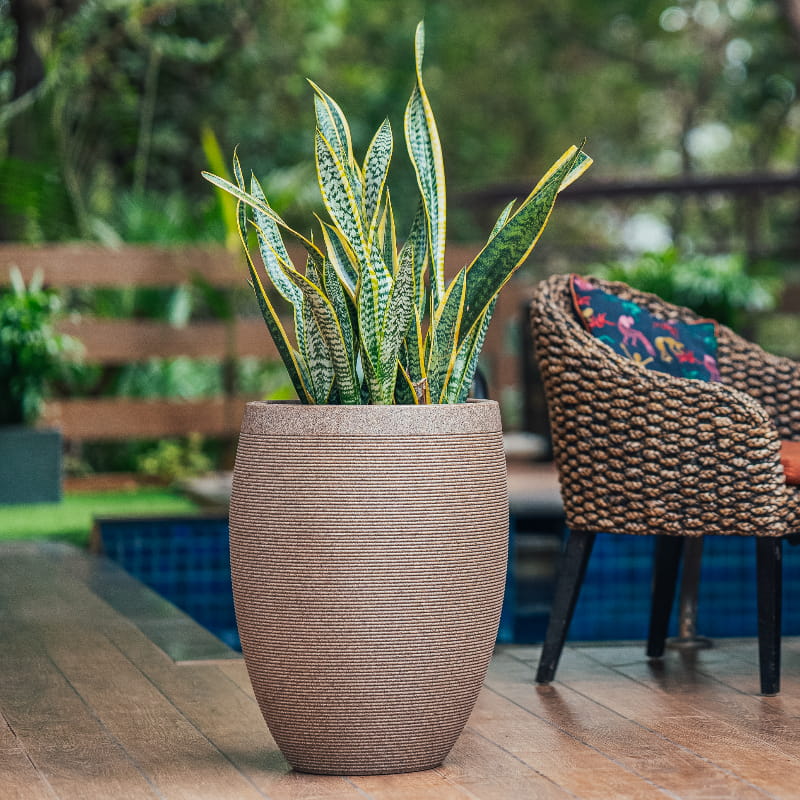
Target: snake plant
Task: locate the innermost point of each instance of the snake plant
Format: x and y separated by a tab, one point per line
374	322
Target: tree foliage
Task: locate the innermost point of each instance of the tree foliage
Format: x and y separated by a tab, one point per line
113	128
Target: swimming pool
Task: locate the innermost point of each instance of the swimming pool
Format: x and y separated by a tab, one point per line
186	560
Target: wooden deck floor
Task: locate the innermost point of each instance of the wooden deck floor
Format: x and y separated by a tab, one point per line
91	708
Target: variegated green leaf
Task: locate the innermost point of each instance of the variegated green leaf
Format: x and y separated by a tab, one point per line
397	319
320	367
338	300
237	170
424	148
315	353
314	273
404	392
274	326
444	336
502	219
339	196
582	163
267	221
240	194
327	323
332	122
466	361
372	389
369	326
418	242
379	268
273	250
389	237
341	256
376	168
510	245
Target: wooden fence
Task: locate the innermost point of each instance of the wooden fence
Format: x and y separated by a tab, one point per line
115	342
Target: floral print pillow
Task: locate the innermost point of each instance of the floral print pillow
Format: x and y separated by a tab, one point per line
686	350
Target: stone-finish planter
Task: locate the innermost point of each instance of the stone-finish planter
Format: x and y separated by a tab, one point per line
30	465
368	554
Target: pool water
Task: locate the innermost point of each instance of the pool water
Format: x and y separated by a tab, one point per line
186	560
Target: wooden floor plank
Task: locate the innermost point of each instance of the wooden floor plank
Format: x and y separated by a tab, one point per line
70	747
147	724
683	719
19	778
579	763
236	671
196	700
644	751
707	689
490	772
136	714
427	785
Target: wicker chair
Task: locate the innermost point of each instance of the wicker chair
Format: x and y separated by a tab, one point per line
644	453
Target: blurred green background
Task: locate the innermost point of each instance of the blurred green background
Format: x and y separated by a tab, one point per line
110	109
103	105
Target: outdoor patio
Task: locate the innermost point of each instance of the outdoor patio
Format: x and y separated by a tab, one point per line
110	692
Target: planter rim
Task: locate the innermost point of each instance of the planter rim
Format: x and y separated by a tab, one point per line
294	419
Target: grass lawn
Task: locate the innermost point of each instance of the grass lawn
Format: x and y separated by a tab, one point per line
71	519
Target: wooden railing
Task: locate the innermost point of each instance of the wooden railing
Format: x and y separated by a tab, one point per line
115	342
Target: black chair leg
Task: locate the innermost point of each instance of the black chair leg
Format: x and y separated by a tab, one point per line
666	562
570	577
768	564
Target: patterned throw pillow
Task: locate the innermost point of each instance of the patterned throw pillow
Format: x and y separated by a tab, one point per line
686	350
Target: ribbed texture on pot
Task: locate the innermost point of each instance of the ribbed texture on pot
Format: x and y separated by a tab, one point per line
368	552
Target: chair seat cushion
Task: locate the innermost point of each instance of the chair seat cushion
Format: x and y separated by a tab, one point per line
682	349
790	460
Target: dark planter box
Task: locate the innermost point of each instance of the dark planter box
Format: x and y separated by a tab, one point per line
30	465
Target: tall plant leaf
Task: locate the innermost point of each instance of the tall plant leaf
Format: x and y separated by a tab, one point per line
316	355
329	327
332	122
466	362
444	335
339	196
424	148
376	169
511	244
418	243
287	353
341	256
404	393
369	326
389	237
240	194
335	293
397	319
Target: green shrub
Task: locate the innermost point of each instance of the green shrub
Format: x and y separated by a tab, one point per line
32	353
173	460
717	287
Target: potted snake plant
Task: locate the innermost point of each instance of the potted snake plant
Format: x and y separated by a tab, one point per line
369	521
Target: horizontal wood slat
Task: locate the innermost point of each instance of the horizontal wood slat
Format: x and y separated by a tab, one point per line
121	341
114	342
83	265
98	419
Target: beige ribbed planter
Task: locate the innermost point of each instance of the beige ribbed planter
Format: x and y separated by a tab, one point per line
368	552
